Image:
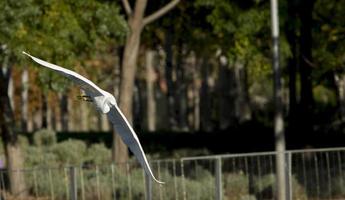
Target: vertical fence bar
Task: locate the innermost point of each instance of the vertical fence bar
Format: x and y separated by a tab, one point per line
329	180
51	184
148	187
175	179
196	171
35	183
219	185
288	172
129	181
98	185
159	178
183	181
73	183
66	182
2	186
259	175
317	177
340	168
82	185
113	181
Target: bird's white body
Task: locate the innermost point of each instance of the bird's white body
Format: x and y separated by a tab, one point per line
106	104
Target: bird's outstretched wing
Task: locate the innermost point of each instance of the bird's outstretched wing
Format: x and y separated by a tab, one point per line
124	129
120	123
83	82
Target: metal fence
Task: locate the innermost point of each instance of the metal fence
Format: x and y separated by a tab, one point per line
312	174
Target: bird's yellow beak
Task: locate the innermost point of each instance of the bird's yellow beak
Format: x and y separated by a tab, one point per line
85	98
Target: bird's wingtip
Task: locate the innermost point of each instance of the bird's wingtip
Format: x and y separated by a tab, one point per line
160	182
23	52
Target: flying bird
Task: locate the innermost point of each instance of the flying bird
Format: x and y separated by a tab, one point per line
106	104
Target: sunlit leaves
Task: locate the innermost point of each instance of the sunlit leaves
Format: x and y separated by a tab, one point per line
62	32
243	29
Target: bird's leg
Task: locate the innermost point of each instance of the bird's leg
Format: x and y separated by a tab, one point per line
85	98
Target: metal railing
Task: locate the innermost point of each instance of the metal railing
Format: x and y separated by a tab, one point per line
312	174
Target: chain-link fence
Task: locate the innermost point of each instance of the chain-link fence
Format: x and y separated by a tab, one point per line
312	174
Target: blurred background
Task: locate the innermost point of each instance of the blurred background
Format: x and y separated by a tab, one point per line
193	77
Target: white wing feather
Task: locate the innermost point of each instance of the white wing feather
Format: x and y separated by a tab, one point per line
83	82
130	138
119	121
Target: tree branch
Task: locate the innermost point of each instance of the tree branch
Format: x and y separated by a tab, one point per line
160	12
127	6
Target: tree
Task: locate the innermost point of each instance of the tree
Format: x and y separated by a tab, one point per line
150	91
328	57
12	37
136	22
9	135
305	59
241	29
59	31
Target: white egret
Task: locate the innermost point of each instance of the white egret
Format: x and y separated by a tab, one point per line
105	103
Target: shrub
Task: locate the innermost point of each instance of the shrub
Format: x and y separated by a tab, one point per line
265	186
98	154
44	137
70	152
236	186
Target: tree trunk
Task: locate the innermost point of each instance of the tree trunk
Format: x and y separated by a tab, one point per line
307	101
105	123
11	90
227	93
13	154
279	133
205	109
138	100
44	110
169	78
129	63
136	23
196	97
340	83
25	100
292	66
243	111
151	100
64	112
50	114
181	91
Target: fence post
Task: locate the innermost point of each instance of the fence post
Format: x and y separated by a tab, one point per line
148	187
2	185
52	195
288	175
113	187
183	181
219	185
73	183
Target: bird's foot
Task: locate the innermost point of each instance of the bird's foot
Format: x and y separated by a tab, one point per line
85	98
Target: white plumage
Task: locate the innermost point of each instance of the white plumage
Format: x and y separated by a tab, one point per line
105	103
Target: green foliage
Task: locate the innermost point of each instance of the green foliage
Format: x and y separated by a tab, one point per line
267	183
44	137
236	185
324	96
244	36
61	32
98	154
70	152
338	185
